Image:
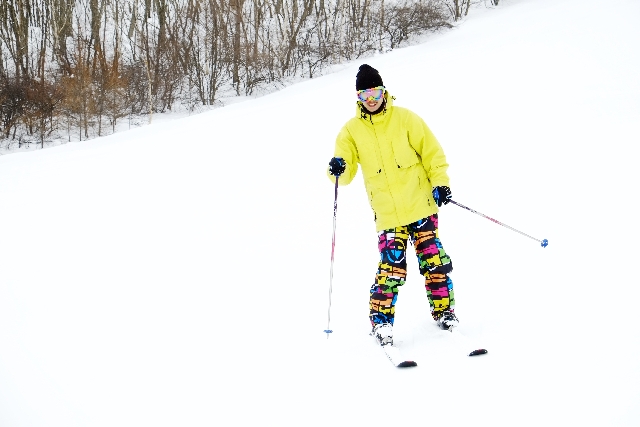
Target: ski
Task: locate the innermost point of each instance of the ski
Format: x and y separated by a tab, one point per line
395	357
462	340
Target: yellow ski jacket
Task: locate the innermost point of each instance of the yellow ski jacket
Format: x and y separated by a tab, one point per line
401	163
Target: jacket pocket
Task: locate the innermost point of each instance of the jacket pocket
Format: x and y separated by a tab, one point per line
404	154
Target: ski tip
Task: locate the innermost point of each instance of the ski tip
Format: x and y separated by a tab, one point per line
407	364
478	352
544	243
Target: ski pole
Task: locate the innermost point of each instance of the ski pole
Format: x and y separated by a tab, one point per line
333	247
543	242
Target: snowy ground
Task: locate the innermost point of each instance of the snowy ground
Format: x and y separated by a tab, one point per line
177	274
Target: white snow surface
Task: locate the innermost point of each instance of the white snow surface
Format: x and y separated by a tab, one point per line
178	274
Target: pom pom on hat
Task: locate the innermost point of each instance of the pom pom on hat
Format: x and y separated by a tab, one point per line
368	77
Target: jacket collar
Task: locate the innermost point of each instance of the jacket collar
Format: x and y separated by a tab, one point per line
362	113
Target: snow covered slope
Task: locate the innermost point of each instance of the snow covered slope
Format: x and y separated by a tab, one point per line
178	274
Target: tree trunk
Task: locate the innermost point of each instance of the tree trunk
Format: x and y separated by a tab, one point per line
237	12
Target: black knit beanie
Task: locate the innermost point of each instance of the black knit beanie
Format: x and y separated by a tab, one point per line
368	77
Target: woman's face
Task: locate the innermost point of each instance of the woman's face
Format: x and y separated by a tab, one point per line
372	98
372	105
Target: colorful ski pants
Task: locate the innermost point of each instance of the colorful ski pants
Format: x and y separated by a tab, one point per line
435	265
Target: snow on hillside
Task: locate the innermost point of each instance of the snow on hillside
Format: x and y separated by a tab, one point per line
177	274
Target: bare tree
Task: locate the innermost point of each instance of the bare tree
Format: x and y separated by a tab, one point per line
61	24
42	99
458	8
405	19
13	98
14	32
96	61
218	56
79	100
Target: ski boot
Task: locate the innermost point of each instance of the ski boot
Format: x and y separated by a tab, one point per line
447	320
383	333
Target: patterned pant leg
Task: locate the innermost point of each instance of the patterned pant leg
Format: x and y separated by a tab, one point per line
435	265
392	272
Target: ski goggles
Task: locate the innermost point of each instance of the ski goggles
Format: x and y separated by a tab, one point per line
374	94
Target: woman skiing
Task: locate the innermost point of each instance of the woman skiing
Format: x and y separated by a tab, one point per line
405	175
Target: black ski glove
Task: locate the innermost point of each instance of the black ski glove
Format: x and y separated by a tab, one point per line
441	194
337	166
